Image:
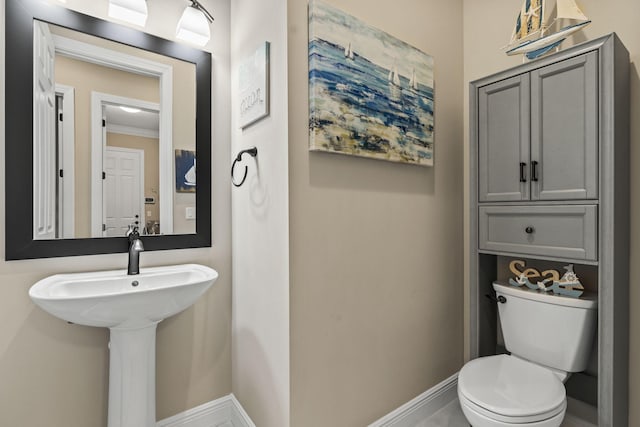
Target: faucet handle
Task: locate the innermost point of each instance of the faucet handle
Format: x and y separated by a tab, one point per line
132	229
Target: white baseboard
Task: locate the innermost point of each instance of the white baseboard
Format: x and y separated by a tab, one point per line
223	412
423	406
239	418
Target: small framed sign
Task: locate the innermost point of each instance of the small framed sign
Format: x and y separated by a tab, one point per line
253	82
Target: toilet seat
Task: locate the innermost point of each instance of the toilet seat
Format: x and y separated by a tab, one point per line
524	421
511	390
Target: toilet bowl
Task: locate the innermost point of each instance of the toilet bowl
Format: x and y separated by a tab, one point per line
505	391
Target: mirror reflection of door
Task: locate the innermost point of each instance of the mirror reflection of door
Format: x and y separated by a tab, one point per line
65	142
131	147
44	134
123	199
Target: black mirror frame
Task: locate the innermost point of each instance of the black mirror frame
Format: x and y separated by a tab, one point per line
19	242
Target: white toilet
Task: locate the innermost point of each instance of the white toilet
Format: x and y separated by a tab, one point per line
548	336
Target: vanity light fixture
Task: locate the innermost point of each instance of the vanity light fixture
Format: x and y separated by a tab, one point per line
193	26
131	11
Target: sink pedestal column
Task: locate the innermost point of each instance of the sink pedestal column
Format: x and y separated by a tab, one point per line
132	376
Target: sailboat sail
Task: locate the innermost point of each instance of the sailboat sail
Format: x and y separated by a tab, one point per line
394	77
413	82
348	53
529	20
569	9
543	24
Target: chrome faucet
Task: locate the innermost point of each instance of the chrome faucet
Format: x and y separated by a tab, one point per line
135	247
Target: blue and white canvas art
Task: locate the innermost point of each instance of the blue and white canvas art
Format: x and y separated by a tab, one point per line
370	94
185	171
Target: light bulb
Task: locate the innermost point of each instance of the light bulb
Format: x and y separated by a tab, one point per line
129	109
193	27
131	11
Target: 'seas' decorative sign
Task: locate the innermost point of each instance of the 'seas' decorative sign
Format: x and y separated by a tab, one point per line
253	81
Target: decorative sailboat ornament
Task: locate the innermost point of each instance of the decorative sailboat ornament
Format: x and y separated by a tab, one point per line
568	285
543	24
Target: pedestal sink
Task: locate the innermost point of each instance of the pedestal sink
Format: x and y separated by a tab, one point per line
131	307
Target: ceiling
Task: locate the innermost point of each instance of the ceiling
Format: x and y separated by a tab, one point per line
142	123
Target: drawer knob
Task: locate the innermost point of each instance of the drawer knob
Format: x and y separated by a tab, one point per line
529	230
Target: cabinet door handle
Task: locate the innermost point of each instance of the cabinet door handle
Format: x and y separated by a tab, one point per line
529	230
523	172
534	171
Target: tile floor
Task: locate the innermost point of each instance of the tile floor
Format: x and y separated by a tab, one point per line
452	416
449	416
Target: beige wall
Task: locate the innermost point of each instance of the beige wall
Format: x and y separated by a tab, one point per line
151	178
376	247
55	374
487	27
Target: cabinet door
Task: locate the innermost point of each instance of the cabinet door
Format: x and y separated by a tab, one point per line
503	140
564	130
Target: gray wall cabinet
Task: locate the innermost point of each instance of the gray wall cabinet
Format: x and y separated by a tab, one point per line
538	134
549	182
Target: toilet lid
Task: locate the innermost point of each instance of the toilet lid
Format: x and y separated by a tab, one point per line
512	387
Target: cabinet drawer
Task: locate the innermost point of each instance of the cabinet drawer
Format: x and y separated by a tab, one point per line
555	231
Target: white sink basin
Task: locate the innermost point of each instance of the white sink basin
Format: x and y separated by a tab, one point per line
114	299
131	307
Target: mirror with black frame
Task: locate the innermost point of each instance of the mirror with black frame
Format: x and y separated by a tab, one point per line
103	127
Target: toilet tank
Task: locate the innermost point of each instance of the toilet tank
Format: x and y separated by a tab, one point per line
547	329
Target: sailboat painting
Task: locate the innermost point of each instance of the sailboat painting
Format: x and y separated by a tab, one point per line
542	25
185	171
370	94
